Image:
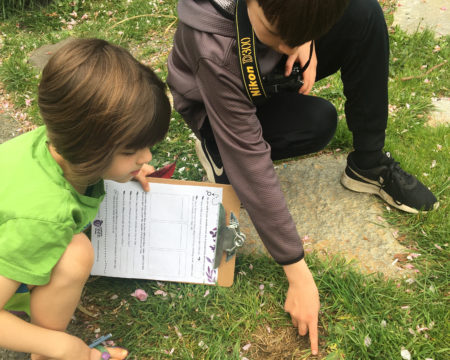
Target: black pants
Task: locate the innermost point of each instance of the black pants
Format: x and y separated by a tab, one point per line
358	45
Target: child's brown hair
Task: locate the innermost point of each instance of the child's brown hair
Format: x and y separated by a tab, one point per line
96	98
299	21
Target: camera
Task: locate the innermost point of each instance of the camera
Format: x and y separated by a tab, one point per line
276	82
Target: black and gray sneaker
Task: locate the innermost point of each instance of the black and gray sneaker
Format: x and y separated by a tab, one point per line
211	161
391	183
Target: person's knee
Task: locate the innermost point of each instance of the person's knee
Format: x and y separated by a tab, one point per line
367	12
76	262
325	121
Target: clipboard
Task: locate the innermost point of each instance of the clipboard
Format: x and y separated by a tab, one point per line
231	205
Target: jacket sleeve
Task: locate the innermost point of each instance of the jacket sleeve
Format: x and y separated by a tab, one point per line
247	161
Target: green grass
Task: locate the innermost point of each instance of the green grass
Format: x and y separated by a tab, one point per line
11	7
355	308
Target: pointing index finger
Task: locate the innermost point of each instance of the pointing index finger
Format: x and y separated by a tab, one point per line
314	337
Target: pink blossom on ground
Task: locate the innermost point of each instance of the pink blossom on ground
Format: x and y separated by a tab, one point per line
140	294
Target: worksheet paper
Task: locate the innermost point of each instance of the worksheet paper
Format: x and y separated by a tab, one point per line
166	234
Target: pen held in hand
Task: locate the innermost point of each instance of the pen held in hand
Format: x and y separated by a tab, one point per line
100	340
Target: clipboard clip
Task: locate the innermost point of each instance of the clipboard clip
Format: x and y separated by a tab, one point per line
229	237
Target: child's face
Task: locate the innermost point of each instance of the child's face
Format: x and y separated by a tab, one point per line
126	164
264	30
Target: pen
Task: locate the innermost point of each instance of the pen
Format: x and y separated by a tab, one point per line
100	340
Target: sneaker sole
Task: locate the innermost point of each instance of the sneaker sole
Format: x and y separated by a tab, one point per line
204	162
359	186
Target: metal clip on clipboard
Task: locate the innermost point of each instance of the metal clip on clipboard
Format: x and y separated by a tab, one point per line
229	237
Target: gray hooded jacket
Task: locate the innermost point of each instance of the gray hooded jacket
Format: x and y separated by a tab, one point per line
205	81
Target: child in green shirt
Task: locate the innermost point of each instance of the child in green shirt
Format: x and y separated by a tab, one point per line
102	111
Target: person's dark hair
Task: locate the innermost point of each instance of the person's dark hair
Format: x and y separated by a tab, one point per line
96	98
299	21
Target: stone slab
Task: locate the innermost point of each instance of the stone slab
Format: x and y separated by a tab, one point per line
39	57
441	114
332	219
8	127
418	15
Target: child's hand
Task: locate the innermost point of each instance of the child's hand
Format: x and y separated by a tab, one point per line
142	176
301	55
116	353
302	301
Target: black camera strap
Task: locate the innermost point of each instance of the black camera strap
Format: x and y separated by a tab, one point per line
254	85
247	56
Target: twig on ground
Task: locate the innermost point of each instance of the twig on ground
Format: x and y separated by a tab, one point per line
85	311
149	15
425	73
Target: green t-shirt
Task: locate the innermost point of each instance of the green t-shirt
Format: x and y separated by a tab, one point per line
40	211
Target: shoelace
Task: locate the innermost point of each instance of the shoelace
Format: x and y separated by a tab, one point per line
394	173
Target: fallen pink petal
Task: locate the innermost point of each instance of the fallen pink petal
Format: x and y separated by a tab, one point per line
246	347
420	329
409	266
140	294
178	332
405	354
206	293
160	292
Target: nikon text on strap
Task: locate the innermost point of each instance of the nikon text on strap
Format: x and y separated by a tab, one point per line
247	57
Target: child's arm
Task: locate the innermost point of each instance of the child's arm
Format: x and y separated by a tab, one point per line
19	335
